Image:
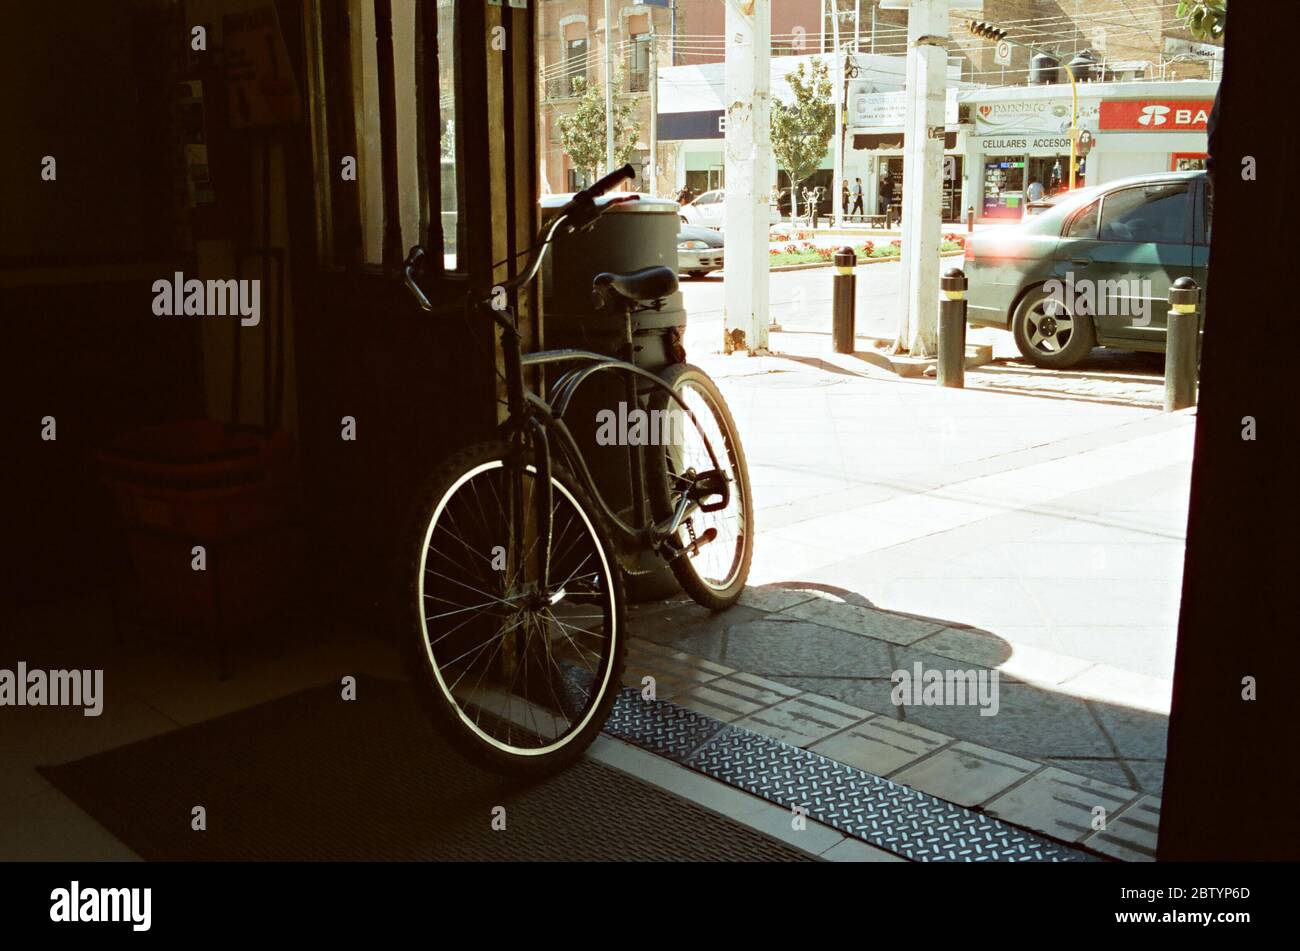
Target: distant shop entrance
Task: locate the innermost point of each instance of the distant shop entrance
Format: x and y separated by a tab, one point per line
1004	186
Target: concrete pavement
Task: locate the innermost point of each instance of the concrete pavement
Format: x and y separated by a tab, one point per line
987	529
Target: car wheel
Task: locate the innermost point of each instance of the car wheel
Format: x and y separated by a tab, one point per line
1048	335
684	221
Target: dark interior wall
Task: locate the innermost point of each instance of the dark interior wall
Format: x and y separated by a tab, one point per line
1232	773
80	254
89	84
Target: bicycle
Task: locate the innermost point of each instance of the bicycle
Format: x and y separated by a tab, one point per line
517	639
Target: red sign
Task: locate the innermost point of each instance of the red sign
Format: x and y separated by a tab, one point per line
1155	115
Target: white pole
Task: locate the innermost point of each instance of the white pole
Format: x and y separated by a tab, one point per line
609	89
837	90
927	58
748	156
654	112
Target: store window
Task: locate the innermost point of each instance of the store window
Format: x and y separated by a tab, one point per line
1188	162
1004	186
1151	214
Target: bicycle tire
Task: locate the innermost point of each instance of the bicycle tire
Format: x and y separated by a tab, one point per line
716	594
426	671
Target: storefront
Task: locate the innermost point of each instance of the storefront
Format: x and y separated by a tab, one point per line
1012	164
876	142
1021	137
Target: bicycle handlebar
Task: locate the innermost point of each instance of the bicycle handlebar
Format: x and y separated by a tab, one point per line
580	211
609	181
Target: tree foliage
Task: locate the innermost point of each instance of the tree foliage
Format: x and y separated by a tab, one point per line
802	130
582	132
1205	18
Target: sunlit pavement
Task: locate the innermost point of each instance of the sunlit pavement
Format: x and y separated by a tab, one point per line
1033	524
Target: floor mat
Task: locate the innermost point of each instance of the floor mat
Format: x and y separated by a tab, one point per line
314	777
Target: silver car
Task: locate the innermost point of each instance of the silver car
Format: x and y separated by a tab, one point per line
699	250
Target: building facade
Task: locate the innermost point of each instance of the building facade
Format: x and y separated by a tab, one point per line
682	43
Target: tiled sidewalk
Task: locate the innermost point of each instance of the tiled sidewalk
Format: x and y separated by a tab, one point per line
775	665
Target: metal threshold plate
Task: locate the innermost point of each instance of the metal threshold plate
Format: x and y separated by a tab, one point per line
888	815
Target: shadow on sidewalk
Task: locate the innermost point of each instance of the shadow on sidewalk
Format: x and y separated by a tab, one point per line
804	638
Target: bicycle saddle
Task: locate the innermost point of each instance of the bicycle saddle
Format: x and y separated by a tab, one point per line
645	286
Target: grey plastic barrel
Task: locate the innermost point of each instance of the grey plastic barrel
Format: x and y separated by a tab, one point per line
630	236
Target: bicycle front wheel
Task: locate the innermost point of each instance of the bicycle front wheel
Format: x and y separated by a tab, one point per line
517	671
716	541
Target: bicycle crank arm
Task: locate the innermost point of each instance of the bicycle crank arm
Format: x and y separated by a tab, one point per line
694	547
670	549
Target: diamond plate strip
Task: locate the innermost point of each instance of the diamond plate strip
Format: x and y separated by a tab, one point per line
902	820
673	732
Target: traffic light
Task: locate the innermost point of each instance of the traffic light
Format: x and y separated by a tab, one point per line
987	30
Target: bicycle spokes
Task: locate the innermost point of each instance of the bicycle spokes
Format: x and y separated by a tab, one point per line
701	468
523	660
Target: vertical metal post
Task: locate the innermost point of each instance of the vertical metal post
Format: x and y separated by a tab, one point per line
951	370
654	110
837	82
844	300
1181	345
609	89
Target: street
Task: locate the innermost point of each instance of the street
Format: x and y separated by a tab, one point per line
802	301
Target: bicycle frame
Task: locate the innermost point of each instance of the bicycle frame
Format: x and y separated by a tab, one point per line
530	417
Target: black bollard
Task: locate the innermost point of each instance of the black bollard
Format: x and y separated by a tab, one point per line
844	299
1182	337
952	329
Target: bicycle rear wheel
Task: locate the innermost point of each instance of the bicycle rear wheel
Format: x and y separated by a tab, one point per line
518	675
716	546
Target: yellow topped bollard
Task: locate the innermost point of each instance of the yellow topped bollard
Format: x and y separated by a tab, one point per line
1182	345
844	299
951	370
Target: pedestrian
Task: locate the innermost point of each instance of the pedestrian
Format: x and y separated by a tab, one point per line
685	196
844	196
886	196
1035	192
857	198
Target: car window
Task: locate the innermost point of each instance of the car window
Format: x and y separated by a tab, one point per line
1209	207
708	198
1084	224
1158	214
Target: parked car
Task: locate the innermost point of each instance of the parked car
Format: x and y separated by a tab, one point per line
1094	269
699	250
709	209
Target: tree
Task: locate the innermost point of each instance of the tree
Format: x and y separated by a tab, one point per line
582	132
1205	18
802	131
